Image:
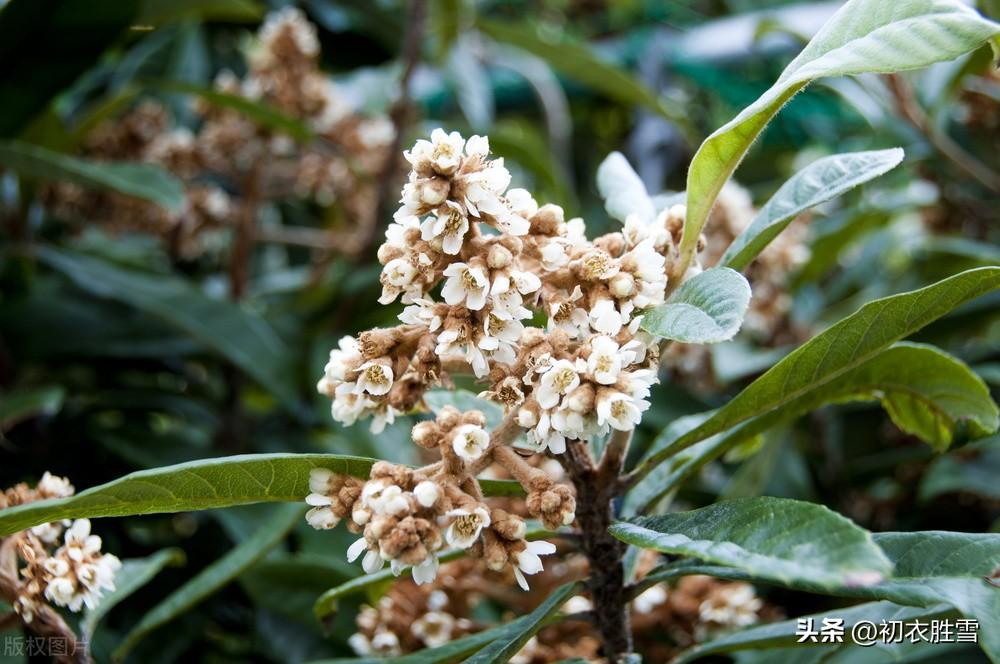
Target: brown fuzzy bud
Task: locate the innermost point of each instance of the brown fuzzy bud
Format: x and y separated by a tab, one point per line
433	191
555	507
499	257
548	220
388	252
507	525
378	342
474	417
393	473
448	418
426	434
613	243
494	551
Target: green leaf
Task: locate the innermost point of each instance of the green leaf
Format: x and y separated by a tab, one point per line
863	36
203	484
925	391
836	351
774	539
246	340
579	63
930	568
818	182
511	637
21	404
706	309
215	576
146	181
134	574
973	468
622	190
781	634
263	114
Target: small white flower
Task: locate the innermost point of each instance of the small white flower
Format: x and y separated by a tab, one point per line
470	442
561	378
528	561
451	224
52	486
577	604
606	360
649	599
385	644
465	526
434	628
343	359
427	493
426	571
465	284
374	378
322	518
605	318
619	410
372	561
391	500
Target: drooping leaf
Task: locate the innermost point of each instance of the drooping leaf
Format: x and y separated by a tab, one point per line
925	391
622	189
818	182
511	638
930	568
973	468
863	36
18	405
768	538
133	574
215	576
146	181
246	340
836	351
200	485
579	63
706	309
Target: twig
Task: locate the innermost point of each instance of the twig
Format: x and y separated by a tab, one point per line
908	106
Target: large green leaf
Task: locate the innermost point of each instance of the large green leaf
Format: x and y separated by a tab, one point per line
973	468
134	574
818	182
930	568
784	633
511	637
622	189
863	36
836	351
706	309
146	181
579	63
769	538
204	484
246	340
215	576
925	391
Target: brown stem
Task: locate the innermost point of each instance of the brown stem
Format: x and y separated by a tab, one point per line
596	489
908	106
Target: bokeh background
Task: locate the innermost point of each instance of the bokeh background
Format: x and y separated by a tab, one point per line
188	312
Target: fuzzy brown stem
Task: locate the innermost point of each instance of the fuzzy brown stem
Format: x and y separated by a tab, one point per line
596	489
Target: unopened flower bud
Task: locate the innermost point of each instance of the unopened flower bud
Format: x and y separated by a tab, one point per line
499	257
427	493
425	434
433	191
448	418
622	285
548	219
526	418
